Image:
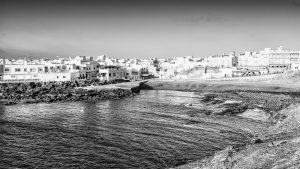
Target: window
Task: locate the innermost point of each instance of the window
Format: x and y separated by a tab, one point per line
34	75
57	77
25	69
114	74
109	74
13	76
32	69
64	76
6	70
17	70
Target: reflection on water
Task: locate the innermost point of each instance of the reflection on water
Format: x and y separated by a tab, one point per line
150	130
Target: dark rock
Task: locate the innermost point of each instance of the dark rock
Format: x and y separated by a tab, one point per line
30	101
233	108
258	141
207	112
9	102
56	91
217	102
209	97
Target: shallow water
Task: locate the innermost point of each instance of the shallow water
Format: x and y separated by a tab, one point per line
151	130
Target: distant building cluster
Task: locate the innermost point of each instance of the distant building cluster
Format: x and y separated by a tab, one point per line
267	61
108	69
76	69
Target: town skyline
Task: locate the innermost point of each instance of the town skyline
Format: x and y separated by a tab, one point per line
108	69
145	29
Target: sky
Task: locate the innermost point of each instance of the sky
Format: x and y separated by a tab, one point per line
146	29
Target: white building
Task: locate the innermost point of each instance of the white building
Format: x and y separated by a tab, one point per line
110	73
281	56
133	74
221	61
91	68
281	59
59	76
20	70
85	64
184	63
253	59
295	66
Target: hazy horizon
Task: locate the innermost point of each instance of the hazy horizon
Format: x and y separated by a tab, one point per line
146	29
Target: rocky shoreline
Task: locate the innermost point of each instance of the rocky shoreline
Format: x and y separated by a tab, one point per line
277	146
275	103
36	92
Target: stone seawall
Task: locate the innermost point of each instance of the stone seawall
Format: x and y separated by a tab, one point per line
55	92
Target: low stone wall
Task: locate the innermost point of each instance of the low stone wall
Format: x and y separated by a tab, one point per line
54	92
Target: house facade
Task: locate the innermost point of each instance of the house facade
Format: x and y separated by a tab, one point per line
110	73
281	59
21	70
221	61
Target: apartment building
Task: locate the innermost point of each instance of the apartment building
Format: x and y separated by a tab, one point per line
58	76
281	59
69	72
92	69
20	70
253	59
254	62
85	63
221	61
110	73
133	74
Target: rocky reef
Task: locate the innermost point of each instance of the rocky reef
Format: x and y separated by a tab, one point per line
245	104
55	92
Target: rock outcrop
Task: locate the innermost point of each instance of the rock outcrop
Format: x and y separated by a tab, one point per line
54	92
277	148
